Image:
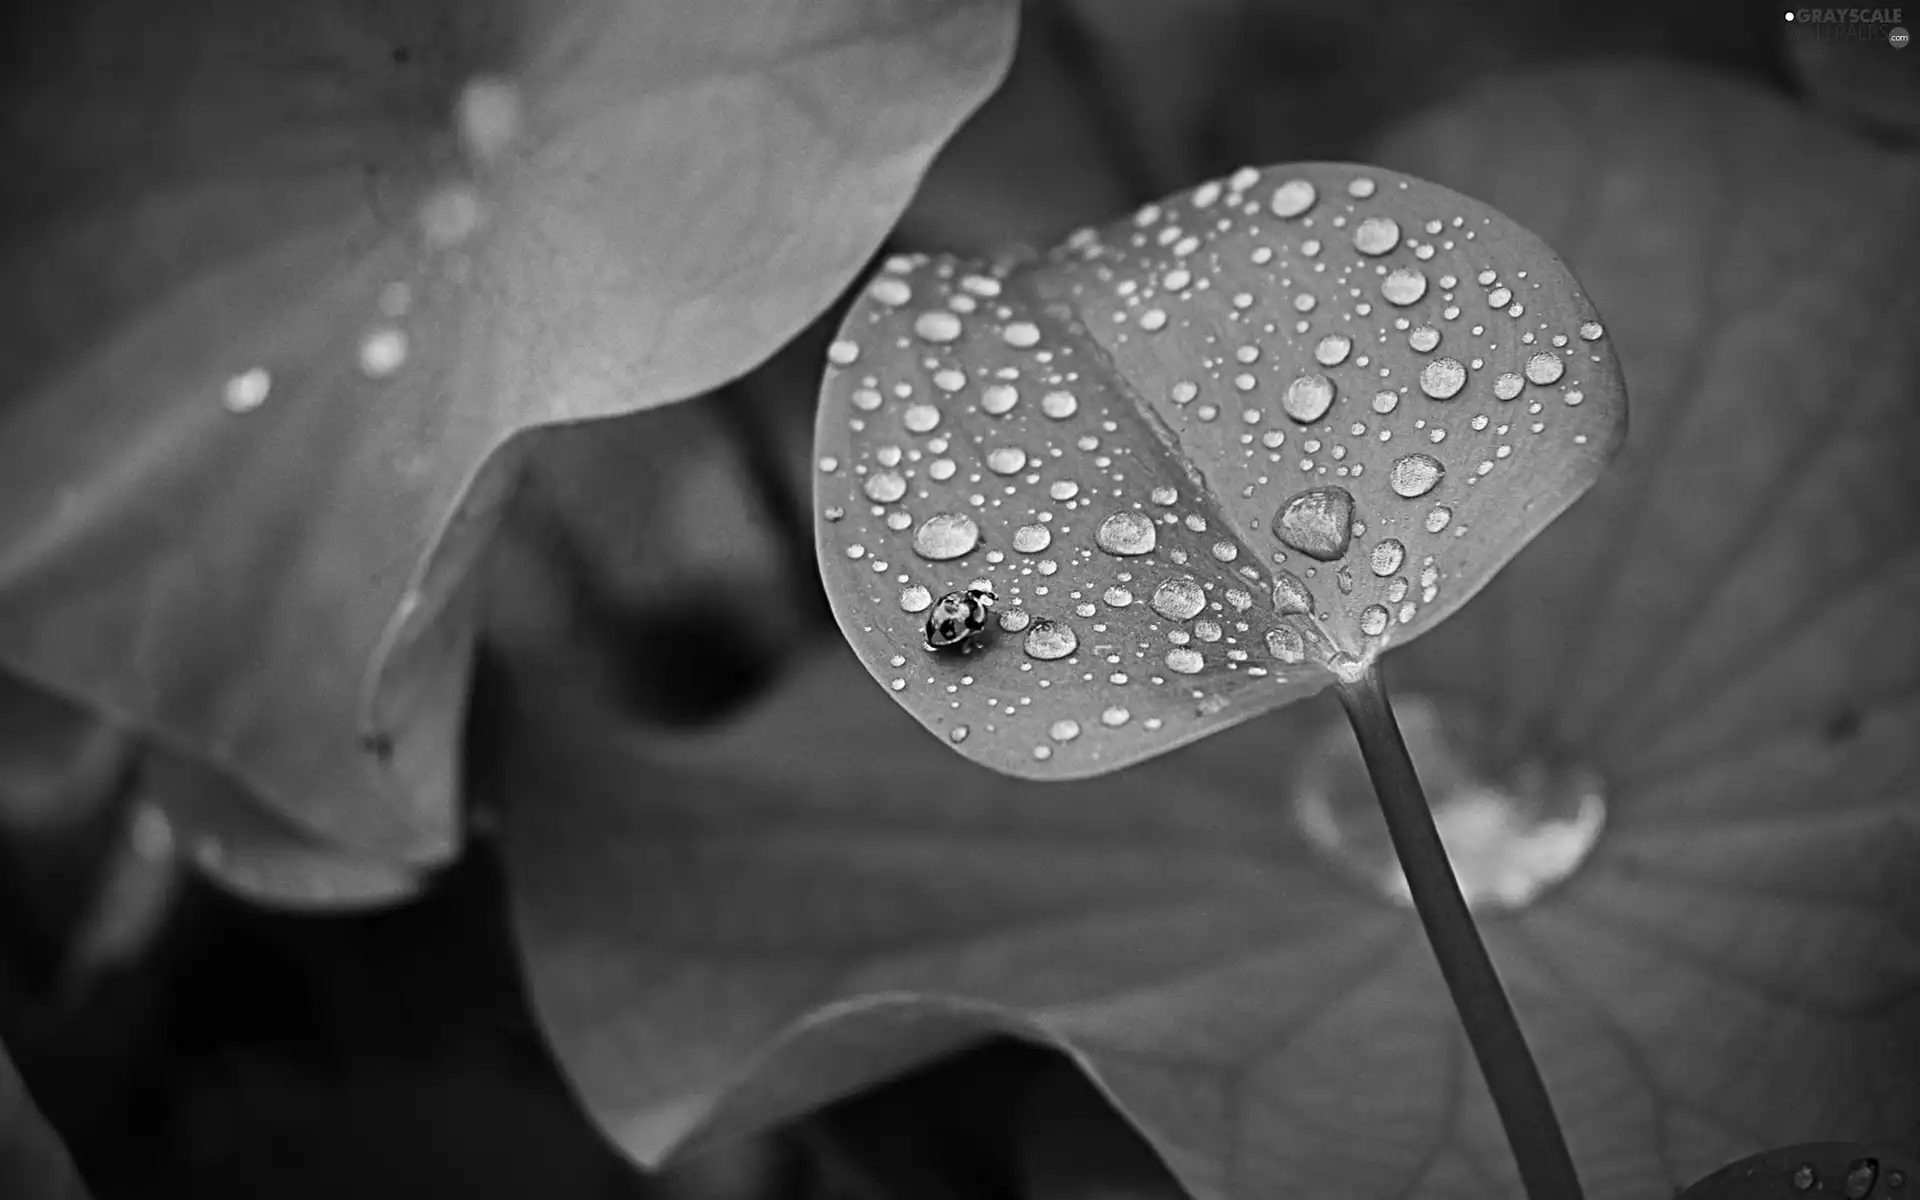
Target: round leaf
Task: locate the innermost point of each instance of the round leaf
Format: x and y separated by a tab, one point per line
1202	459
282	276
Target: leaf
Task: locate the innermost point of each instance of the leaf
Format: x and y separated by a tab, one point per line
1823	1168
33	1163
725	929
1197	456
285	277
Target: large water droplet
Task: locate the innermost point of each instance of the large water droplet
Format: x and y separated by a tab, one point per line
1064	730
1290	594
1373	620
937	326
1178	599
1317	522
1059	405
1307	398
1404	286
1031	539
1332	350
1292	198
1126	533
920	418
1376	235
1443	378
1424	338
1387	556
1048	640
945	535
1545	368
1438	518
1185	660
246	391
1286	644
1512	828
998	399
1415	474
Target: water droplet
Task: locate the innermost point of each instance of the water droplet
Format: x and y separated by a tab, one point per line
1115	717
1333	349
1178	599
1048	640
1164	495
1804	1178
1290	594
937	326
1308	398
1424	338
1545	367
1185	660
1415	474
382	352
1063	489
1591	331
246	391
1225	551
1021	334
1404	286
1386	557
1317	522
1006	460
1127	534
1862	1174
998	399
1153	320
1438	518
890	290
945	535
1013	620
1499	298
1574	396
915	599
1507	386
1376	235
1059	405
1292	198
1373	620
1385	402
1117	596
885	487
920	418
1064	730
1286	644
1031	539
1443	378
843	353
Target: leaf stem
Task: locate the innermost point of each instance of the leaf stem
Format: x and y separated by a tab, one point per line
1519	1095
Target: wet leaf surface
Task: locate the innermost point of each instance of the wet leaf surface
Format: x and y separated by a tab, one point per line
33	1163
724	929
285	276
1288	417
1821	1169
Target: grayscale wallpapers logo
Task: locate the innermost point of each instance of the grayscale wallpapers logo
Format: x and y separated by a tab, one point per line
1850	25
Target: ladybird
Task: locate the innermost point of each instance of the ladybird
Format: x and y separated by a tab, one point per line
957	616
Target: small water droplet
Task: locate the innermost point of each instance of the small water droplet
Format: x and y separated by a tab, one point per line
1376	235
1185	660
1373	620
1508	385
1499	298
1591	331
1443	378
1178	599
1031	539
920	418
1317	522
1165	495
1386	557
1308	398
1064	730
1013	620
890	290
945	535
1290	594
1006	460
1545	368
998	399
1415	475
1117	596
1424	338
382	352
1048	640
1862	1174
1385	402
1804	1178
1021	334
1404	286
937	325
957	734
1126	534
1292	198
885	487
246	391
1115	717
843	353
1438	518
915	599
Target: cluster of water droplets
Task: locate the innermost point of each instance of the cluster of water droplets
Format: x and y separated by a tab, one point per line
991	445
486	122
